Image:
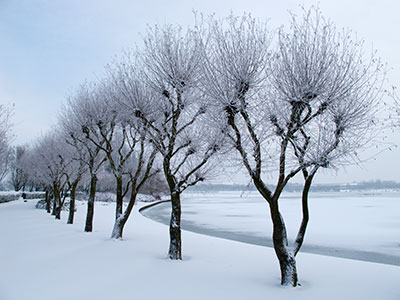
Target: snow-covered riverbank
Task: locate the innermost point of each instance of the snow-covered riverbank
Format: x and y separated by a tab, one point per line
42	259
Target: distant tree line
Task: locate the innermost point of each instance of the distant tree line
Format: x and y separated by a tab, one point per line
297	187
191	101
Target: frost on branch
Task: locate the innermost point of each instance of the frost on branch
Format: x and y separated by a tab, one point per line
5	150
307	105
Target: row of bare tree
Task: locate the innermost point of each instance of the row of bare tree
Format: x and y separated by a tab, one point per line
5	128
225	90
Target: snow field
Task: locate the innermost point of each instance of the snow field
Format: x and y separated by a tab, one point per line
42	258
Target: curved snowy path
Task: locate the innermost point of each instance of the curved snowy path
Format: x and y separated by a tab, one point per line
160	212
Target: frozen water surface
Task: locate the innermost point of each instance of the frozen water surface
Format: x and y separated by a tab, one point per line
359	225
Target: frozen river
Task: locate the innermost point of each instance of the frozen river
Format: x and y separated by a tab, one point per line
356	225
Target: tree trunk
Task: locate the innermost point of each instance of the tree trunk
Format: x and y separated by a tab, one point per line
118	229
72	203
119	199
57	202
288	270
304	222
90	207
56	197
287	261
58	212
121	220
48	201
175	246
53	211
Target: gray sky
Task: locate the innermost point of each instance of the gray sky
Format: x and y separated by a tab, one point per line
49	47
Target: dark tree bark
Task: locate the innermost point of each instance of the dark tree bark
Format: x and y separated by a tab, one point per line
120	217
119	198
135	183
90	207
175	246
287	261
118	228
58	212
121	220
304	222
285	256
175	243
72	203
48	201
54	209
57	206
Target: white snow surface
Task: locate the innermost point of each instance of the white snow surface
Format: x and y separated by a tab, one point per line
42	258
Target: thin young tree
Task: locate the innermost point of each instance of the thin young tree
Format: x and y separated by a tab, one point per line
173	113
301	109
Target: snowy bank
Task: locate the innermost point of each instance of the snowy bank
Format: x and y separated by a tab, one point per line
44	259
7	196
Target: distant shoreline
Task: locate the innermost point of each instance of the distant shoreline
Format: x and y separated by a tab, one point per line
295	187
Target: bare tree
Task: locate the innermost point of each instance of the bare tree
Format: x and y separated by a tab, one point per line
80	119
5	128
173	111
306	107
18	178
393	108
49	162
129	155
74	173
79	157
33	165
155	186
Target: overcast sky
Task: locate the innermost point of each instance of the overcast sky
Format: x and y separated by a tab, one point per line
49	47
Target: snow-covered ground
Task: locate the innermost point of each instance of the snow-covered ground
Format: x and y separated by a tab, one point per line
41	258
363	225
